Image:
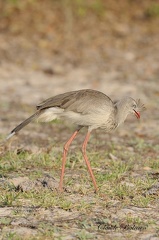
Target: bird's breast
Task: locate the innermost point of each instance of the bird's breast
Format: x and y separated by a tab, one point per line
109	126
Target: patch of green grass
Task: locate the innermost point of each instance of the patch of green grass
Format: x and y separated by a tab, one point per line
136	193
8	198
12	162
46	198
84	206
142	201
5	220
123	191
11	236
116	171
153	10
48	231
143	183
154	164
49	234
84	235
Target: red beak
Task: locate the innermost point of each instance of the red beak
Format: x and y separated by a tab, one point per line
137	114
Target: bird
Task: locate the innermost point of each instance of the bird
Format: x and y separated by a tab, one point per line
84	108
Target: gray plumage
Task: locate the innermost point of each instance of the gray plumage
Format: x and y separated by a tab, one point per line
86	108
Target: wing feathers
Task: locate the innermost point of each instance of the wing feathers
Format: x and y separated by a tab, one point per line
83	101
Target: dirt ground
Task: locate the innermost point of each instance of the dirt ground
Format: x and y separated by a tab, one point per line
50	48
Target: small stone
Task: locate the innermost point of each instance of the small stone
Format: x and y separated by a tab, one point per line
147	168
113	157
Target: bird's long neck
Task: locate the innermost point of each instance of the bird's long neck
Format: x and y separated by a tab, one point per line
122	111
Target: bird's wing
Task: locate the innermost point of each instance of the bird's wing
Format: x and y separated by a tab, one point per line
82	101
57	101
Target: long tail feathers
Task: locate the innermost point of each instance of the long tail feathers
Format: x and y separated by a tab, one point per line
23	124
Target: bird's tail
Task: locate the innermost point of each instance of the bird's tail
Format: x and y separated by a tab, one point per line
23	124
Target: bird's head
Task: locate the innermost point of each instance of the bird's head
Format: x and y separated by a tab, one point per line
128	106
134	107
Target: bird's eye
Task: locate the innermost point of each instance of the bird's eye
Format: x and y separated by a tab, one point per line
134	106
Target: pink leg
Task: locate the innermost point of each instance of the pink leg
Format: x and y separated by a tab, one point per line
87	161
66	147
